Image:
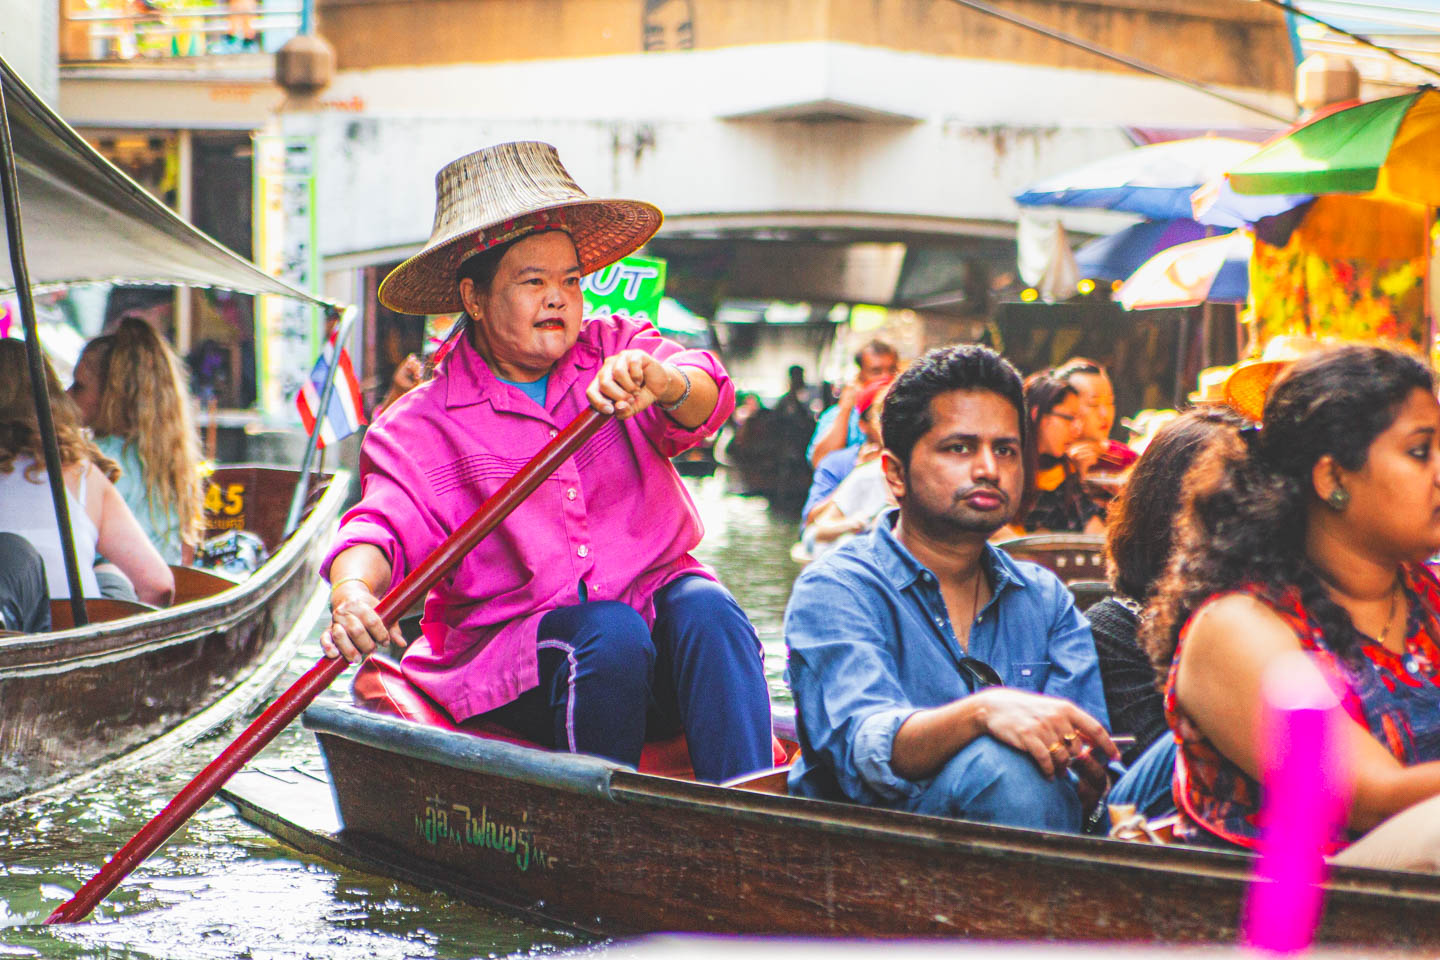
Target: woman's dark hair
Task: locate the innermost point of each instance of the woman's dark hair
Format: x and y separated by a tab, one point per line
481	268
1245	503
1076	365
1044	391
1140	530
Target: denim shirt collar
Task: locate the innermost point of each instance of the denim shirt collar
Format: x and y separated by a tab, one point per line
903	570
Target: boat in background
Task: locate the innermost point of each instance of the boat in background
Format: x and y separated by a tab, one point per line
76	699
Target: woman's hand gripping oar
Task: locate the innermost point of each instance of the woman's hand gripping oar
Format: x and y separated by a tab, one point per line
279	714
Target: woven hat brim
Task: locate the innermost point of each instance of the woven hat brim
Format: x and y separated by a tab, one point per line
604	231
1247	387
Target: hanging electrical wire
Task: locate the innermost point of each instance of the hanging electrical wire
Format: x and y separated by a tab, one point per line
1121	58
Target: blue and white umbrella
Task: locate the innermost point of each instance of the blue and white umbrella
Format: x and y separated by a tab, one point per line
1157	181
1118	255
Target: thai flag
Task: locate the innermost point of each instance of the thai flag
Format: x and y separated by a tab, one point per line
346	414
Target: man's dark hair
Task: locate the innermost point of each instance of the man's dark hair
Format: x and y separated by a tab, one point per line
878	347
968	366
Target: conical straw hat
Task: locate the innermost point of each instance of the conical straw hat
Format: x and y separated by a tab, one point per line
1248	386
501	193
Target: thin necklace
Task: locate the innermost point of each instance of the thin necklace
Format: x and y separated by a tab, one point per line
1389	617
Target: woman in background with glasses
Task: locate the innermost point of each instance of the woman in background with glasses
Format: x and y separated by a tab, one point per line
1055	417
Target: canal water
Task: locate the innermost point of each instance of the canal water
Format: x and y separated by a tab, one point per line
221	889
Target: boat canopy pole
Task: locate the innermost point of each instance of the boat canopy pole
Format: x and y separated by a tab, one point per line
38	387
302	483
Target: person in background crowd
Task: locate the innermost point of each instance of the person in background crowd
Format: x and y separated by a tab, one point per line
130	390
1309	533
1055	420
861	495
583	621
1138	541
931	672
1095	451
839	426
796	400
835	467
99	518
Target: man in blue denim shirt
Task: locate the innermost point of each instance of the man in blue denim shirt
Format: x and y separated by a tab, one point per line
883	632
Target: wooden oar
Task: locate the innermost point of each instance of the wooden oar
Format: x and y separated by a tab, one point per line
279	714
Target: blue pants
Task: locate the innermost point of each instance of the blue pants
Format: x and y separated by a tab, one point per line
994	783
1148	782
608	682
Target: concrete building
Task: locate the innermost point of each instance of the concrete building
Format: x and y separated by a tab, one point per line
827	151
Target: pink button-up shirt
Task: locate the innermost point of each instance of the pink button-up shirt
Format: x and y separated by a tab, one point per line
615	515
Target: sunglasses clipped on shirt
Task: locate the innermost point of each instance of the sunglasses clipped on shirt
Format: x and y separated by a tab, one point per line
978	674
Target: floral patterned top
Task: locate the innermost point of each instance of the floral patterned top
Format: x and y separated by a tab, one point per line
1395	697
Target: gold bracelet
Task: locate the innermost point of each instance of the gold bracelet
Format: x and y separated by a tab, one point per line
336	585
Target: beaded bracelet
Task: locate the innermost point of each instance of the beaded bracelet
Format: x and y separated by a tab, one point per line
685	395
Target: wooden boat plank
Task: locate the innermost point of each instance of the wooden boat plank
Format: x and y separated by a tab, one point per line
297	807
605	848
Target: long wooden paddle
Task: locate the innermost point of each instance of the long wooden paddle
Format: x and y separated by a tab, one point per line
279	714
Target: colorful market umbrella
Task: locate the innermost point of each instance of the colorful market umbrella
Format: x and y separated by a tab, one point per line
1156	181
1213	270
1120	254
1389	146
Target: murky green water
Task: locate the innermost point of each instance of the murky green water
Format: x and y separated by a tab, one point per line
221	889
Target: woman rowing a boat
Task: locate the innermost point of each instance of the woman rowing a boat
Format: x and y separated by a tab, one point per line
582	621
1310	533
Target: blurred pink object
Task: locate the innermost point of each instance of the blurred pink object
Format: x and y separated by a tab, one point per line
1307	790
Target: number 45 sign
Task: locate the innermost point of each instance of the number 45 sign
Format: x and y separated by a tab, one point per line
630	288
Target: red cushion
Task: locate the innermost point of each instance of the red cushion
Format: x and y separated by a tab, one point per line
380	687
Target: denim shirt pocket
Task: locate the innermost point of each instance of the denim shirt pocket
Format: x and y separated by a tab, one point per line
1029	676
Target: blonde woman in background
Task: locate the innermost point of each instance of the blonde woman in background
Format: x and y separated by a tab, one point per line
130	390
99	518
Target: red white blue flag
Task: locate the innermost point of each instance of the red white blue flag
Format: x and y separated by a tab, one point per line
346	414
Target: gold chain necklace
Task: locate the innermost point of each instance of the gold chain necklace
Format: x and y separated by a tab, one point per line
1390	617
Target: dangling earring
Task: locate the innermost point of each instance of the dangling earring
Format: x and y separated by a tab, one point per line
1338	500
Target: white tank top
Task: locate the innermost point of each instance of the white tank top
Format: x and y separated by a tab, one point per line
26	509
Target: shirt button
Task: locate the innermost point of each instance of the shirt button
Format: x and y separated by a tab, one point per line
584	551
570	494
554	433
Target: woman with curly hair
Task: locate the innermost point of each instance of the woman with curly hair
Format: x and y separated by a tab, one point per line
1138	542
1056	420
130	389
99	518
1310	533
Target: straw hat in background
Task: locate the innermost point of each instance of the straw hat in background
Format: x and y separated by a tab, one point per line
1211	385
1247	386
502	193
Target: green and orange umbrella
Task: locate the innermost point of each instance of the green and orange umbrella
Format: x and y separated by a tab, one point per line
1390	147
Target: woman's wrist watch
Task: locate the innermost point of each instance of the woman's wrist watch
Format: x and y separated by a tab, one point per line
684	394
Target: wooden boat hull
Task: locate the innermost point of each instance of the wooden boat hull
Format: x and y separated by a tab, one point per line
602	848
80	697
